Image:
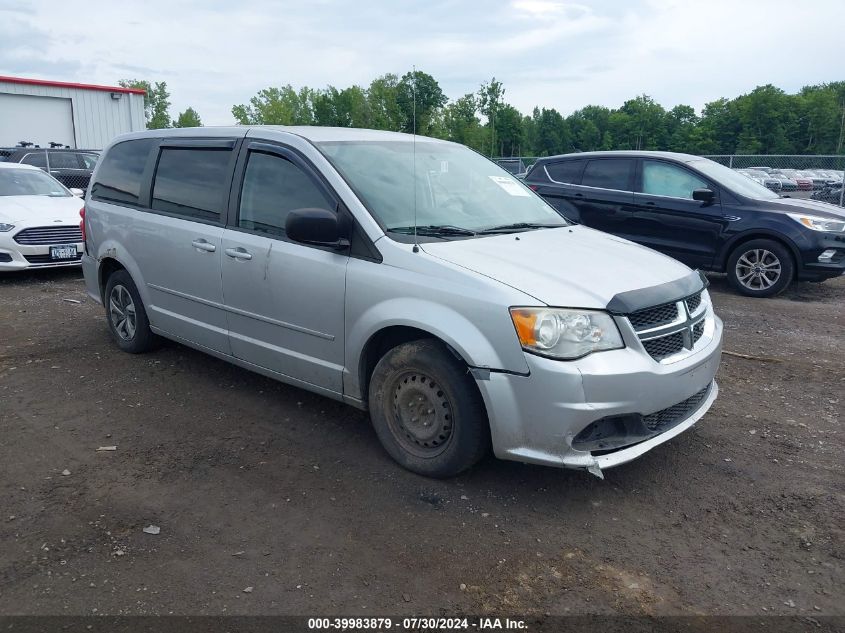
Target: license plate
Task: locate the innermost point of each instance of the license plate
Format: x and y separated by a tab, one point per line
64	251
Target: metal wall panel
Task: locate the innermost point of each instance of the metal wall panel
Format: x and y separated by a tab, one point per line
97	116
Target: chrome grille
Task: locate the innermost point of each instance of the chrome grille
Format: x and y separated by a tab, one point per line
46	259
697	331
653	317
666	418
693	302
670	328
660	348
43	235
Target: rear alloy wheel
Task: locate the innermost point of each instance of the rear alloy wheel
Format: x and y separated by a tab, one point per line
126	315
760	268
427	411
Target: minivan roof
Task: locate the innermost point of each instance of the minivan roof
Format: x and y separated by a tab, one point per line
684	158
313	133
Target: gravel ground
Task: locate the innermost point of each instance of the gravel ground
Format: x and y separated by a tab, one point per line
271	500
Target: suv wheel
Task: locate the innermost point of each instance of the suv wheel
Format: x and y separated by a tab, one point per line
761	268
126	315
426	410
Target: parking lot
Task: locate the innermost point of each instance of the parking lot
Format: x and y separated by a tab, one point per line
271	500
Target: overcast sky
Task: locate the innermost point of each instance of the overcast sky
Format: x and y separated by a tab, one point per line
217	53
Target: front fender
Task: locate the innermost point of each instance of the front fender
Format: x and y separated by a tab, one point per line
453	328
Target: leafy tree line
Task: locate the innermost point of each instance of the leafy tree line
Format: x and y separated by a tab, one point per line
767	120
157	106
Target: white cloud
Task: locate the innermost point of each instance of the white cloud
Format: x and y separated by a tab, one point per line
214	53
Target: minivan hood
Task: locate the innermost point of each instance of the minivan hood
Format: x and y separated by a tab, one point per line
811	207
16	209
567	267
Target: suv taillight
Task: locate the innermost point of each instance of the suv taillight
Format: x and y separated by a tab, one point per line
82	225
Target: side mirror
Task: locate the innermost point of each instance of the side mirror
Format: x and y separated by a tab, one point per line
703	195
319	227
77	192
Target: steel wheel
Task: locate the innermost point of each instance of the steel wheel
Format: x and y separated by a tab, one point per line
122	312
422	415
758	269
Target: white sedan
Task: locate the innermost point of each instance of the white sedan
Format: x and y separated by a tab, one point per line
39	220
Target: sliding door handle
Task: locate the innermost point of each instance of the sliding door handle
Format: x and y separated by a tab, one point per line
238	253
203	245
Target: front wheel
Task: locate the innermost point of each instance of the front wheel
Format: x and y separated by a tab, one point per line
760	268
427	411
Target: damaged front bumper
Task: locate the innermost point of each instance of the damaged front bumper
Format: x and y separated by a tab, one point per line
602	410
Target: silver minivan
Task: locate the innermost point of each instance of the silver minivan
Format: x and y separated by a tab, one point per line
407	276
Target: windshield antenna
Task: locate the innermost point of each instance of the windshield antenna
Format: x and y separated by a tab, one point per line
416	248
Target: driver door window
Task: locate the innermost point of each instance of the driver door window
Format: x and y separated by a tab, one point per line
273	187
665	179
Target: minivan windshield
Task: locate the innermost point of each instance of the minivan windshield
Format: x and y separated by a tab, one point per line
456	190
733	180
30	182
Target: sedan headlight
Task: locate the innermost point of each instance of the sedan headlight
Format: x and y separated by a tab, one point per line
565	333
817	223
6	227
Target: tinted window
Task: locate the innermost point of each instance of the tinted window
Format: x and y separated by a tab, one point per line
610	173
119	177
273	187
39	160
63	160
568	171
89	161
191	182
665	179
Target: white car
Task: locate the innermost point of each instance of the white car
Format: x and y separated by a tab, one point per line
39	220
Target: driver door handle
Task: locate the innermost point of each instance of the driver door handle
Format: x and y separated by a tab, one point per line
238	253
203	245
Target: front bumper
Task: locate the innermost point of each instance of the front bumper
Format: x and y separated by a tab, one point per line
14	256
812	269
535	418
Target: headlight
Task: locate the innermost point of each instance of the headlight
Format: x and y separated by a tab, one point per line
819	224
564	333
6	227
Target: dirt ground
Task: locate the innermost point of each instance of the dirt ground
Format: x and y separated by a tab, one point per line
258	485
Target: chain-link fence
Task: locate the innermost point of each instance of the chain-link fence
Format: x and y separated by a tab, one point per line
71	167
818	177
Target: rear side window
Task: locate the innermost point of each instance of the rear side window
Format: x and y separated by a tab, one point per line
568	171
37	160
63	160
609	173
273	187
190	182
119	177
665	179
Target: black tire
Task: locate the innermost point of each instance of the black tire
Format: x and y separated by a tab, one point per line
138	338
751	268
427	411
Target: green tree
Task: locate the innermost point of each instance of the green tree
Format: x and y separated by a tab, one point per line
552	133
277	106
508	129
156	101
681	122
490	96
188	118
461	123
418	95
383	105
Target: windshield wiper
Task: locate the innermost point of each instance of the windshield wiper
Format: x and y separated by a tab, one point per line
433	229
517	226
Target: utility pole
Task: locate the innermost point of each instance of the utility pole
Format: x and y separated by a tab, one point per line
839	151
841	128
